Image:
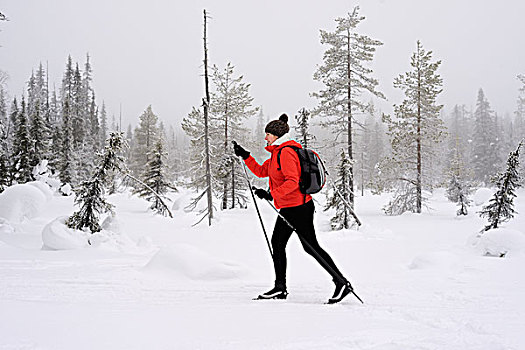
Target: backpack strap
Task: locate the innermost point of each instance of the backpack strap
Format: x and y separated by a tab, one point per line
295	148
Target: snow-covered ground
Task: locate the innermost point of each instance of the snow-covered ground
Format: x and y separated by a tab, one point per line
148	282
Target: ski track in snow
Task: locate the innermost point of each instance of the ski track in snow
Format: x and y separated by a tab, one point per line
423	286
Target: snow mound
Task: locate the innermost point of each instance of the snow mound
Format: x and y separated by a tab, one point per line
482	196
192	263
57	236
500	242
25	201
435	260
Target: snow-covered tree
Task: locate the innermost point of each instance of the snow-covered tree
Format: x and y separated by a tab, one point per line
371	147
91	194
156	178
459	188
4	131
339	195
485	160
22	169
103	131
302	129
145	136
519	115
416	131
231	106
346	75
501	206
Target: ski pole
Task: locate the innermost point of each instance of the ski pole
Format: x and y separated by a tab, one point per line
323	261
256	207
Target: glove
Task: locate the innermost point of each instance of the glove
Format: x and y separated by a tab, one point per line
263	194
240	152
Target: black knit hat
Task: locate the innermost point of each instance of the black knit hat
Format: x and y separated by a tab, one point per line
278	127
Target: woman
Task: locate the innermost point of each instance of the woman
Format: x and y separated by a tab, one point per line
296	207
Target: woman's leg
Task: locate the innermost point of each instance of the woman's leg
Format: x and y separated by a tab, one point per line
281	235
302	218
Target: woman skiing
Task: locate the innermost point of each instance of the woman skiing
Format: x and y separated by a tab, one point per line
297	208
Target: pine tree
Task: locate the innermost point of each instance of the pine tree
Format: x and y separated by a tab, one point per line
303	124
192	125
342	218
156	178
231	105
416	131
501	206
90	196
346	77
485	161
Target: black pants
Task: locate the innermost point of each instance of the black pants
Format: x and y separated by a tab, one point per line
302	219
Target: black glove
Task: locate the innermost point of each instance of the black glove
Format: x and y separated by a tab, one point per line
240	152
263	194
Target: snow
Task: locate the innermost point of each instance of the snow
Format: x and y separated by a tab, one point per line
26	201
150	282
483	195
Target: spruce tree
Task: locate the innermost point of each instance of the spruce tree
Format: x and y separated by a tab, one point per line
501	206
338	197
459	188
346	76
4	130
66	159
258	145
484	157
156	178
103	131
303	124
519	115
416	131
145	136
91	194
22	169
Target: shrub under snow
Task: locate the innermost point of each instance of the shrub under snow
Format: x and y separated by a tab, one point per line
24	201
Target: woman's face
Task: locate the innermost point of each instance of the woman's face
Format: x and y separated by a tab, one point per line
270	138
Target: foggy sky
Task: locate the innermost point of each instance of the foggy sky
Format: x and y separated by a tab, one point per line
150	52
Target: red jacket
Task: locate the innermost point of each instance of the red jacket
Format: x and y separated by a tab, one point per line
284	183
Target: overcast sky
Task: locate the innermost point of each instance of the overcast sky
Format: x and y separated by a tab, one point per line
150	52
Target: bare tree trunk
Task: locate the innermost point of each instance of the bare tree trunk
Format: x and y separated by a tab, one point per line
349	122
225	184
233	184
206	131
418	138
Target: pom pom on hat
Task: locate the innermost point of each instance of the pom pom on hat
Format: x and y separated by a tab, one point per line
283	118
278	127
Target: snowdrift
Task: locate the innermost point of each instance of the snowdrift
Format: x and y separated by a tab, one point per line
188	261
500	242
22	202
57	236
482	196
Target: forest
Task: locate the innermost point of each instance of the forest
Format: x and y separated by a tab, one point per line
62	133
